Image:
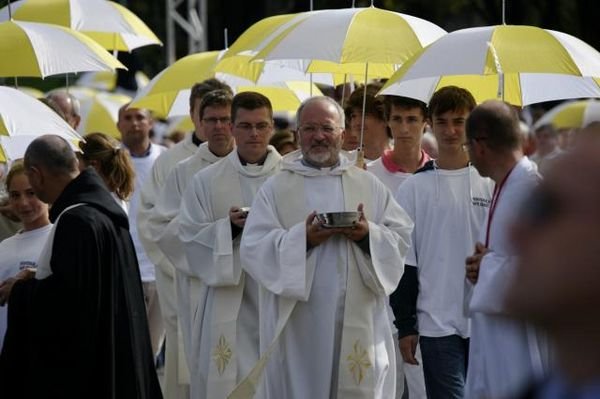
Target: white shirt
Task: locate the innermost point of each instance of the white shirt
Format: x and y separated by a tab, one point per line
448	208
142	167
17	253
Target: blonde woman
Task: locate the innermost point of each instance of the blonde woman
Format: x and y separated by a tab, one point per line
20	253
111	162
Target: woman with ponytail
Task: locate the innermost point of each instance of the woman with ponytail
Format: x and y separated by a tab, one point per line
111	162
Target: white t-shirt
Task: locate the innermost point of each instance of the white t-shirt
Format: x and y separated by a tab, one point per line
142	167
448	208
17	253
392	180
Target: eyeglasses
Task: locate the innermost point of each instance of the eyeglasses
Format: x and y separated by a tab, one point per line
312	129
213	120
261	127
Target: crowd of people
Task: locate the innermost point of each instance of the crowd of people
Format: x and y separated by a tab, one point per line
467	271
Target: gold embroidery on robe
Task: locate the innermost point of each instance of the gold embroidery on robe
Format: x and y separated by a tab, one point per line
358	362
222	354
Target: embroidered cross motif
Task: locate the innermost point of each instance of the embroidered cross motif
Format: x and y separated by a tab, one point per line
358	362
222	354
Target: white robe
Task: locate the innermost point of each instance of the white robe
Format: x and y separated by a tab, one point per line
504	354
163	231
229	319
273	252
176	373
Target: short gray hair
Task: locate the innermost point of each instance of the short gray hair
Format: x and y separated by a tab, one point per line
325	99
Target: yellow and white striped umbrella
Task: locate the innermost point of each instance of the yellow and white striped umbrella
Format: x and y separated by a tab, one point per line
521	64
40	50
573	114
109	23
519	89
351	35
17	126
168	92
107	80
285	96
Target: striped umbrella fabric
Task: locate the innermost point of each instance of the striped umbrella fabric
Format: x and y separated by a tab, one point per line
573	114
110	24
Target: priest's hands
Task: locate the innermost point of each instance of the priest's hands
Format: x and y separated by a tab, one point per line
359	230
237	216
408	348
316	234
474	261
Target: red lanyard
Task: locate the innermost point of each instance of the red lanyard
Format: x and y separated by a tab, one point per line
495	196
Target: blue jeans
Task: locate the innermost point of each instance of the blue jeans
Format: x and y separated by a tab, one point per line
445	361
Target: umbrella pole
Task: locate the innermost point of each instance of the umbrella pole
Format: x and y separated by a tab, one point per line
360	158
311	83
503	12
226	40
344	90
9	11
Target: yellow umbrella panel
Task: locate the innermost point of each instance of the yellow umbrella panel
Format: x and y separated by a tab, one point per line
286	97
110	24
517	89
40	50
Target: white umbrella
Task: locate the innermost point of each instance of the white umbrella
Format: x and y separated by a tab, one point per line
520	64
23	118
40	50
113	26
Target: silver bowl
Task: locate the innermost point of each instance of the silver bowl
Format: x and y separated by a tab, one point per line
338	219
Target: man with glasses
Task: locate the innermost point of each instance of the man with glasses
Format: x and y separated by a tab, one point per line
325	287
505	354
447	200
213	117
168	280
212	217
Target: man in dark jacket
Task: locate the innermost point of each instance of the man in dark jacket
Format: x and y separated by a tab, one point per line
81	330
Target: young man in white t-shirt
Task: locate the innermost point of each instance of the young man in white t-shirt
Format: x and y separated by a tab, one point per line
406	118
448	201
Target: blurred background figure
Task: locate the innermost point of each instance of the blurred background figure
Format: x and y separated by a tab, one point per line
527	139
429	143
111	162
547	148
68	104
377	135
284	142
21	251
556	282
135	125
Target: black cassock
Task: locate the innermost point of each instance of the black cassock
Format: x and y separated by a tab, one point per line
81	332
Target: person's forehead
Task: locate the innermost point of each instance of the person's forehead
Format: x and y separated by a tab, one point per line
217	110
135	112
251	115
319	110
401	110
452	114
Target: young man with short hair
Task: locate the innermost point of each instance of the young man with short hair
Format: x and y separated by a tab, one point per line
448	201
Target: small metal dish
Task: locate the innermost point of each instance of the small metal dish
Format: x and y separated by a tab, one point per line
245	210
338	219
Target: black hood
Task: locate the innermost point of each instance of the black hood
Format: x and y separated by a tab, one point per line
89	188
